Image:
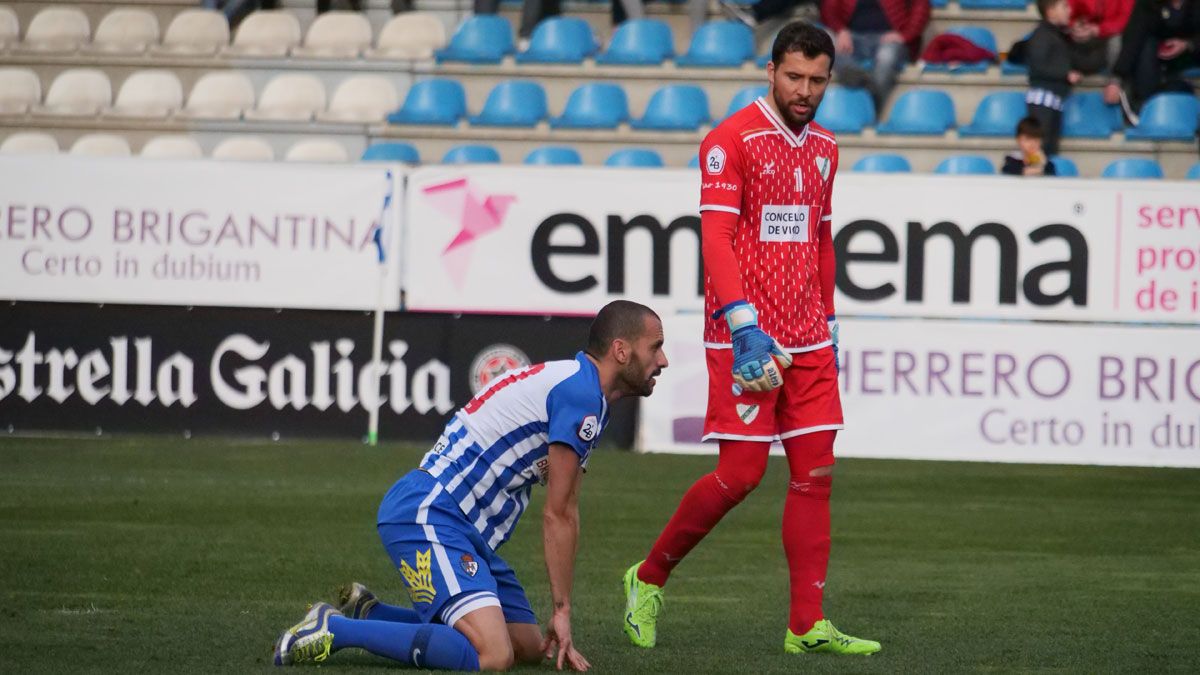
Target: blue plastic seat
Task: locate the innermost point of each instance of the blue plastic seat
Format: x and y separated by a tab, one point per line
1086	115
992	4
977	35
883	163
1194	172
639	42
846	111
694	163
471	154
392	152
1064	167
675	107
595	105
434	101
966	165
1167	117
634	157
997	115
745	97
1133	167
560	39
554	155
482	38
719	44
920	112
515	103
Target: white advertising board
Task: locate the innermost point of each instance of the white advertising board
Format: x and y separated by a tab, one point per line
956	390
166	232
567	240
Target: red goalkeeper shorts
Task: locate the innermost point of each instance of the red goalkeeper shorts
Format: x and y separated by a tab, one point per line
808	401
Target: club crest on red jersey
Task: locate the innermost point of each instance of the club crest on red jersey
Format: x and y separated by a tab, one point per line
714	162
823	165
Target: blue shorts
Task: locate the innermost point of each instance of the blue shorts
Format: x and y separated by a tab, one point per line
446	566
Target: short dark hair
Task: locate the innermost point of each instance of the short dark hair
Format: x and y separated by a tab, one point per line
1029	126
619	319
803	37
1044	5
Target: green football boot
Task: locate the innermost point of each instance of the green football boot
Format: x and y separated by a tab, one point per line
309	640
824	638
355	601
643	602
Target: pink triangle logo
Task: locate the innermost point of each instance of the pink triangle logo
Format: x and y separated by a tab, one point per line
476	215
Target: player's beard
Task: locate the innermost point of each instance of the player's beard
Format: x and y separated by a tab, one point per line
785	109
633	375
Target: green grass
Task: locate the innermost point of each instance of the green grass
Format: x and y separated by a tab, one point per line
163	555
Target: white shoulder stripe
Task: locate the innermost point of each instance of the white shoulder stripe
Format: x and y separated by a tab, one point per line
827	137
717	207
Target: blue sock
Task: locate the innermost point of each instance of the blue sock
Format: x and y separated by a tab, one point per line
423	645
392	613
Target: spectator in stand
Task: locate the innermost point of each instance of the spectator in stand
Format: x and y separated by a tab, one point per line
357	5
236	10
532	11
1050	72
1030	158
1096	27
1159	43
765	10
635	9
887	31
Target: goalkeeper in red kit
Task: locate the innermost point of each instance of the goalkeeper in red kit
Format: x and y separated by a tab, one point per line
770	336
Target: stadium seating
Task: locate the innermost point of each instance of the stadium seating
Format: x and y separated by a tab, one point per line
694	162
409	35
125	31
746	95
966	165
56	29
317	150
101	145
336	35
394	151
148	94
77	92
222	95
515	103
29	143
172	147
1192	174
675	107
882	163
920	112
194	32
595	105
560	39
292	97
846	111
1086	115
639	42
266	34
992	4
1064	167
361	99
719	44
482	38
436	101
554	155
244	149
10	27
471	154
634	158
1167	117
997	115
1133	167
20	91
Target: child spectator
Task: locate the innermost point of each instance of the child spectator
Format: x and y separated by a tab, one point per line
1050	73
1030	159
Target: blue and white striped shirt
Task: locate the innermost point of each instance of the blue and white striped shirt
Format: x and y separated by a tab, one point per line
495	448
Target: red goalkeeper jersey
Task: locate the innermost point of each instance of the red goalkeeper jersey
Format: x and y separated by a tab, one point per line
779	184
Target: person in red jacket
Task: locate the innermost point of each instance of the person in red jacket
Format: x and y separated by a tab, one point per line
887	32
1095	32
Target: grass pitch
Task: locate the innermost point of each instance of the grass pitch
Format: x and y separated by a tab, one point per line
164	555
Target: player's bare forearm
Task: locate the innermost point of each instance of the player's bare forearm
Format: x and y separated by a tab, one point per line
560	528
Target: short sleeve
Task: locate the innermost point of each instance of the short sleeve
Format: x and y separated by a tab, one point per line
576	419
721	172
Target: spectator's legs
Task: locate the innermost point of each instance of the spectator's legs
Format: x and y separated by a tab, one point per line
1051	122
487	6
1147	74
627	9
769	9
697	13
533	11
889	61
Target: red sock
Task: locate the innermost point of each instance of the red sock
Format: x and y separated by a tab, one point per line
806	527
740	467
